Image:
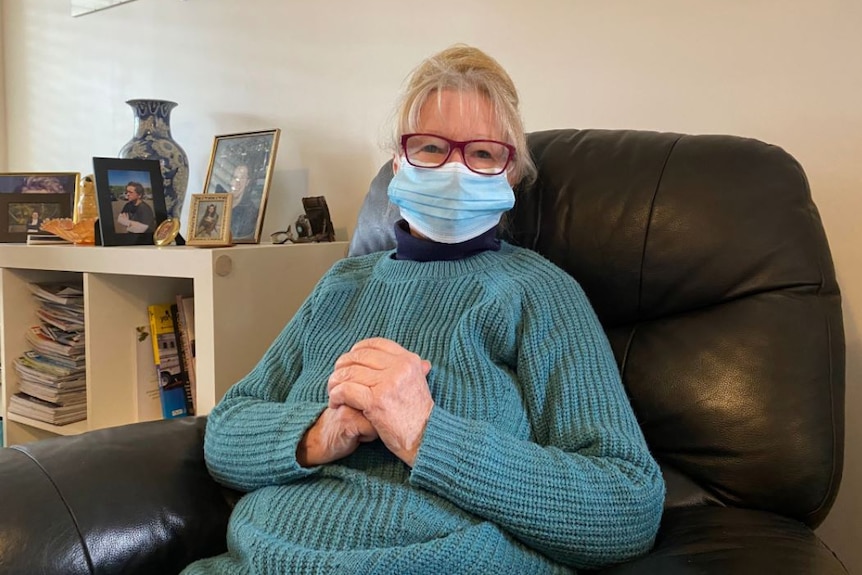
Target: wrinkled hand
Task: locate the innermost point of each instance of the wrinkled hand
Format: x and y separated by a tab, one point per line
336	434
387	383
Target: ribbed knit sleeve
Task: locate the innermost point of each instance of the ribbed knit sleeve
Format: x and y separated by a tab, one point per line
531	461
585	492
252	435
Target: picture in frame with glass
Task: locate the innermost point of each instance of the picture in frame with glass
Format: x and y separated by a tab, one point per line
131	198
166	232
209	223
24	214
242	165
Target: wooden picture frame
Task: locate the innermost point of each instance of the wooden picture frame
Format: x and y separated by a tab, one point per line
16	211
242	164
209	222
122	188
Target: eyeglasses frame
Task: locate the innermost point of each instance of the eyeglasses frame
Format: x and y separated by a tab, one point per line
458	145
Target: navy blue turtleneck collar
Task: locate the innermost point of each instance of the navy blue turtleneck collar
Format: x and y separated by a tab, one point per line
425	250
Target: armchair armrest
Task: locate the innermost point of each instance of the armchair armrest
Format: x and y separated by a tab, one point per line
130	499
138	499
719	540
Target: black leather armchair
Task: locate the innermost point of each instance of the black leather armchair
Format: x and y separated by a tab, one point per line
707	263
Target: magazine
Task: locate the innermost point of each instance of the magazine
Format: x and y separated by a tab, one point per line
41	410
57	292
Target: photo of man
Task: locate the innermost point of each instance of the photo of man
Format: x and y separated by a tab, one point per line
131	200
242	166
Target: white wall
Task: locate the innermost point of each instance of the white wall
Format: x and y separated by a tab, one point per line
2	102
327	72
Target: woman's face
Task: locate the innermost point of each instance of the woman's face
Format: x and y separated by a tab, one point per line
458	116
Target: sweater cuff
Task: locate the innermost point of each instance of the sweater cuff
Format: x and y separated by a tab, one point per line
301	417
442	455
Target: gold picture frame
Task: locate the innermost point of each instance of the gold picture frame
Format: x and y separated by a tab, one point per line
242	165
209	223
39	194
167	232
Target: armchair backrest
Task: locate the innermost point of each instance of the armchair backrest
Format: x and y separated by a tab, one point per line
706	261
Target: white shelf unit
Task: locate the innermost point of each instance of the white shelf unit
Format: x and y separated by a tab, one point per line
244	295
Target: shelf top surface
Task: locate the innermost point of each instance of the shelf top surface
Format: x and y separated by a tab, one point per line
168	261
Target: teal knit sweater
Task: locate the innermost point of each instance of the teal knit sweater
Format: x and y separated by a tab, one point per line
531	462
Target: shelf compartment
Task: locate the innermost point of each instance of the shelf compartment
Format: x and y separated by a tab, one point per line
244	295
70	429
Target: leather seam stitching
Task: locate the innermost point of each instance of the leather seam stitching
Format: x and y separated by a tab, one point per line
649	220
86	551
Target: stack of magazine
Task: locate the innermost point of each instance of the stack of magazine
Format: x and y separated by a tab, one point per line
52	384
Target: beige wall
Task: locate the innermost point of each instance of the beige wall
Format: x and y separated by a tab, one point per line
326	73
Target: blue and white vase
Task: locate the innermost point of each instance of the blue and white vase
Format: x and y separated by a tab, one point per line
152	140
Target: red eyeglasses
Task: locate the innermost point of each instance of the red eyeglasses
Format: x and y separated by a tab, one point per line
486	157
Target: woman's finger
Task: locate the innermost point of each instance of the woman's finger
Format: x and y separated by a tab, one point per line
355	395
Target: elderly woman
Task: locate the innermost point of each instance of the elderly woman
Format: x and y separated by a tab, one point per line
443	407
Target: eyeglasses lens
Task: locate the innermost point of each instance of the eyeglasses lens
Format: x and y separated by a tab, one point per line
279	237
484	157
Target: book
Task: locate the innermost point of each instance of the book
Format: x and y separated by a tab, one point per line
167	362
186	323
183	376
148	399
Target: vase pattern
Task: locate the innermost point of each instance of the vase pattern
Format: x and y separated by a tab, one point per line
152	140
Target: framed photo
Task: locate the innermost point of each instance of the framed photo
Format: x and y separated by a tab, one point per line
39	183
23	214
166	232
209	223
131	198
242	164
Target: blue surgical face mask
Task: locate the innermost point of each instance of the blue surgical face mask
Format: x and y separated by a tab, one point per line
449	204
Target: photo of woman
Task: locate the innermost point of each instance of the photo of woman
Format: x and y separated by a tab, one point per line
210	219
208	224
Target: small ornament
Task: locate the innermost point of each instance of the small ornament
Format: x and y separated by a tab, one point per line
167	232
86	206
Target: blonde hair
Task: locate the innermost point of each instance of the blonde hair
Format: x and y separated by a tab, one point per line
463	69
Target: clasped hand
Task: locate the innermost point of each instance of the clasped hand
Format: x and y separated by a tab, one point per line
378	389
